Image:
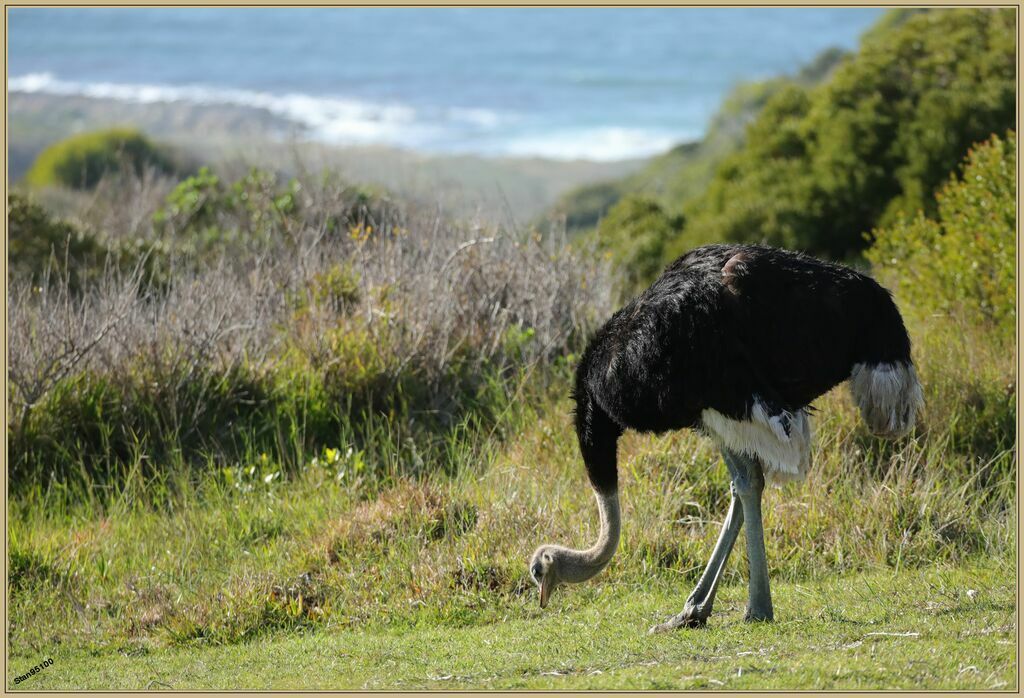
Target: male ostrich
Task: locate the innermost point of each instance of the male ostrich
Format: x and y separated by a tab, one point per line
735	340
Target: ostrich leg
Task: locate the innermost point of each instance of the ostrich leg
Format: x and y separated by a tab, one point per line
749	483
698	606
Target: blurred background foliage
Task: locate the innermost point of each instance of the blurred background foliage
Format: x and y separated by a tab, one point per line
82	160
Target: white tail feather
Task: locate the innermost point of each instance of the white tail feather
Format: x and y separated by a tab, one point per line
888	395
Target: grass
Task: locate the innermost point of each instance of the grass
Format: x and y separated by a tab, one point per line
936	628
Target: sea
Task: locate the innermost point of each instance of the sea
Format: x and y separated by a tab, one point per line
565	83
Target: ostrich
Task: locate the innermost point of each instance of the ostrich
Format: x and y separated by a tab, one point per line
737	341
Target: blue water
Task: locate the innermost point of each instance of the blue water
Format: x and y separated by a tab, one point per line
601	83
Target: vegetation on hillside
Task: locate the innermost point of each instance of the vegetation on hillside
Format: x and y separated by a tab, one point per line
821	167
323	419
634	232
821	164
284	315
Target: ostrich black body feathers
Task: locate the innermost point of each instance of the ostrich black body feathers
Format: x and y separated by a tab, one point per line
741	331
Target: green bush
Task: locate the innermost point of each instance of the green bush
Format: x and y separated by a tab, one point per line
634	235
37	243
735	207
822	166
961	262
206	215
79	162
40	245
193	202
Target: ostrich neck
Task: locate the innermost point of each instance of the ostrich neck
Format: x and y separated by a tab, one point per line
581	565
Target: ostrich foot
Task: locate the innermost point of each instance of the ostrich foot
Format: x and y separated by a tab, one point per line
755	615
691	617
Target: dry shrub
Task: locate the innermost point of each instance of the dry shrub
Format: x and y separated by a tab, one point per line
122	205
319	297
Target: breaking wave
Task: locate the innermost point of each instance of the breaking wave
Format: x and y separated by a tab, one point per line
340	120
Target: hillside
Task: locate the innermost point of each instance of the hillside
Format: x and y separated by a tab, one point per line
822	167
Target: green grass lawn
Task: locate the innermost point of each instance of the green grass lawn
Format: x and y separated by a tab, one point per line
924	629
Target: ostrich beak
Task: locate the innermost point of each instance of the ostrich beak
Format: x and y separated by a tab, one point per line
545	591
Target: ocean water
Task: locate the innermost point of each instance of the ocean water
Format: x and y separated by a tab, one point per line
594	83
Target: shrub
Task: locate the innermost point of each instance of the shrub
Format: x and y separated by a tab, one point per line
206	216
337	314
79	162
736	205
822	166
962	261
634	235
37	244
43	249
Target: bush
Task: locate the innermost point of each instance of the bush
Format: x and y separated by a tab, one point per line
81	161
43	249
736	205
822	166
38	243
634	235
961	262
205	216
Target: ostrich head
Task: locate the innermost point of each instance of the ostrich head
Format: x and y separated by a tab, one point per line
544	568
553	565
